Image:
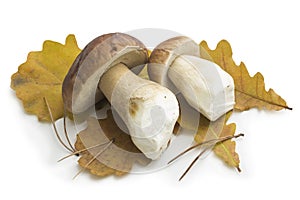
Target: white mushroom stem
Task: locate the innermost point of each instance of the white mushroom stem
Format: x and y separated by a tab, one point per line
148	109
204	85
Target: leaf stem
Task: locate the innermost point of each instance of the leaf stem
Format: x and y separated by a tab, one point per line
54	126
65	130
94	158
264	100
213	141
192	163
82	150
205	142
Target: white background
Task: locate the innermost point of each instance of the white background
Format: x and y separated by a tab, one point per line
263	34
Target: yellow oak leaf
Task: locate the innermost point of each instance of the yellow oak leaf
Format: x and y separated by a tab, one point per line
115	159
208	130
42	76
250	91
144	72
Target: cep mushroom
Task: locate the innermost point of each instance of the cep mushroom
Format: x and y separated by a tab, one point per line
148	109
175	63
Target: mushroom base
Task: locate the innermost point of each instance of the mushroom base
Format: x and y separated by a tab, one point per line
204	85
148	109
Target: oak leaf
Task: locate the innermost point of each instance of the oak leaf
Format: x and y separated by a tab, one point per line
117	159
250	91
144	73
208	130
42	76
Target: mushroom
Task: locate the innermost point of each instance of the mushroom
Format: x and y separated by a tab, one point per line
148	109
175	63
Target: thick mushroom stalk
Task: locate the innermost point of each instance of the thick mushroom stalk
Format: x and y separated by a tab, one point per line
176	64
148	109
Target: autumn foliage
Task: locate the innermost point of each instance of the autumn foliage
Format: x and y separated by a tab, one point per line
108	150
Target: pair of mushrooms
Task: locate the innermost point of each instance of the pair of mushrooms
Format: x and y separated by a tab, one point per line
149	108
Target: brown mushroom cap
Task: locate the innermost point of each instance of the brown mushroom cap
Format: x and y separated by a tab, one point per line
80	87
163	56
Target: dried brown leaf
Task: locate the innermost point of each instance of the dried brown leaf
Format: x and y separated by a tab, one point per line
118	158
250	91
